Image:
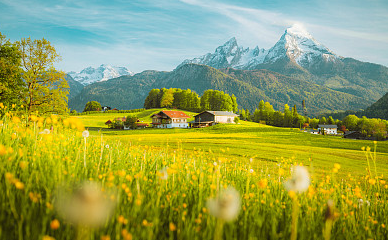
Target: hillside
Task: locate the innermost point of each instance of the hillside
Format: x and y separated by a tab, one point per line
378	109
248	86
75	87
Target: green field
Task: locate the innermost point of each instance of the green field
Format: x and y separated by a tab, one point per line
250	140
61	182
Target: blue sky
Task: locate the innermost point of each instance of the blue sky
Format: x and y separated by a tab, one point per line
160	34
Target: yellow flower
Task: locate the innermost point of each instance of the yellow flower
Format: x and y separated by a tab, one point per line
372	181
19	185
105	237
55	224
172	227
263	183
3	150
337	166
335	170
47	238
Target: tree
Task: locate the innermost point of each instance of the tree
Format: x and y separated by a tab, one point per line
46	87
92	106
11	83
167	98
287	116
350	122
236	120
243	115
131	122
151	99
330	120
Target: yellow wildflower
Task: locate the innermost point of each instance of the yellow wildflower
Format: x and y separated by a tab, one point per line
55	224
172	227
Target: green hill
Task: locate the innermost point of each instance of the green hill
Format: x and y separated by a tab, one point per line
249	87
378	109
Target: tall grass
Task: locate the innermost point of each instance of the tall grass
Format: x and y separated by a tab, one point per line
159	193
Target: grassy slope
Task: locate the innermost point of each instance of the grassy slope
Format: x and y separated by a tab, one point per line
248	139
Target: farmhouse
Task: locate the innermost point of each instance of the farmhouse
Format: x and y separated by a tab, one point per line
210	118
170	119
327	129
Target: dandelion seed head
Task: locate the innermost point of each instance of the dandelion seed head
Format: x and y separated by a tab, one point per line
85	134
300	180
226	206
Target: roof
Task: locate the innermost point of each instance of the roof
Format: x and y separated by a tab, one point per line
108	122
327	126
172	114
141	124
220	113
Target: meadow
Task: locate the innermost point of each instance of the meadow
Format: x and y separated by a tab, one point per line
246	181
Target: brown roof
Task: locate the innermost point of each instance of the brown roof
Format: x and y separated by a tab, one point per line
142	124
176	114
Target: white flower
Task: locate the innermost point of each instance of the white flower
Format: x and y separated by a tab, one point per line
46	131
226	206
107	146
361	202
85	134
163	175
215	163
251	170
300	180
85	205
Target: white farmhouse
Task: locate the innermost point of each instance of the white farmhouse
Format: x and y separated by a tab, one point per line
327	129
170	119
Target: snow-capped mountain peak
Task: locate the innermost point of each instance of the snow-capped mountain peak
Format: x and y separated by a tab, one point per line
104	72
296	44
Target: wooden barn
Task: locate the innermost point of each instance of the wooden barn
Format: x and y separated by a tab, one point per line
210	118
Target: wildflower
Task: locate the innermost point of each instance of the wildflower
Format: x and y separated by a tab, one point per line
163	175
19	185
105	237
45	131
54	224
337	166
172	227
226	206
300	180
251	170
263	183
107	146
361	203
47	238
85	134
3	150
85	205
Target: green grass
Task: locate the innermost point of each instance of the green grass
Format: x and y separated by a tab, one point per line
248	139
158	183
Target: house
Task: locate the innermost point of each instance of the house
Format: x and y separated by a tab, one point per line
312	131
210	118
327	129
141	125
170	119
105	108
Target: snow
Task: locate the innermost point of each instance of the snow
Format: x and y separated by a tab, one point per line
296	43
104	72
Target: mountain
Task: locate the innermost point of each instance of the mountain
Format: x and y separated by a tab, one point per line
125	92
102	73
298	55
249	87
75	87
378	109
295	44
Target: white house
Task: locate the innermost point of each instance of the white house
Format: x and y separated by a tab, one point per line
327	129
170	119
209	118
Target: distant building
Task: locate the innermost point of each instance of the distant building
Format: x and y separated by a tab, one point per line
327	129
170	119
105	108
210	118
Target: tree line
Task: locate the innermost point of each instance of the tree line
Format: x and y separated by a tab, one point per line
265	113
211	100
28	78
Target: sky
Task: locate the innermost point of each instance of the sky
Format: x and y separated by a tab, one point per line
160	34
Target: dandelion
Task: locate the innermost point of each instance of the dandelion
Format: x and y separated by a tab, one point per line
107	146
86	205
251	170
54	224
163	175
85	134
300	180
226	206
45	131
172	227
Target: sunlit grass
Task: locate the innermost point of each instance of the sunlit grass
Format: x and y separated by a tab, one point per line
162	191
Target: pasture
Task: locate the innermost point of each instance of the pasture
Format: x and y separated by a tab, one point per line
59	181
